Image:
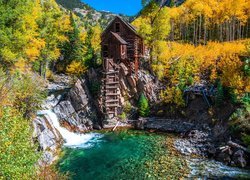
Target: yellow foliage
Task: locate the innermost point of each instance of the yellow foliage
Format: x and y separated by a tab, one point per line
34	48
21	66
214	11
7	54
185	64
96	38
75	68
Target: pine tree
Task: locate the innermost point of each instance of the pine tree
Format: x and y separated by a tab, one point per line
143	106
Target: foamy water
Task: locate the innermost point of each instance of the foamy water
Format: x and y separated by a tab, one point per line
72	140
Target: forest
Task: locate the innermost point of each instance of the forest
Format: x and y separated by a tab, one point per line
198	41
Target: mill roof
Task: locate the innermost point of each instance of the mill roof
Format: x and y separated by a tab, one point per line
119	38
132	28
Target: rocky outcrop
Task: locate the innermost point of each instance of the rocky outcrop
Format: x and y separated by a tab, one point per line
169	125
131	86
77	108
48	138
198	139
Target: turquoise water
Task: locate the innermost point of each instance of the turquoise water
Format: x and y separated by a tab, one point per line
121	155
139	155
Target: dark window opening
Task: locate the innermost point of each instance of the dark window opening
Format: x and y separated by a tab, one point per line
117	27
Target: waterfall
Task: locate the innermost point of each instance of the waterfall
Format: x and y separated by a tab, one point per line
72	140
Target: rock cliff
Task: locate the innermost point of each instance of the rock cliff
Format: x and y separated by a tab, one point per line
77	109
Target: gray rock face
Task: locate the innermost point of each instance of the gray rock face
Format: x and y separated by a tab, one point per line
48	137
131	87
77	109
78	96
169	125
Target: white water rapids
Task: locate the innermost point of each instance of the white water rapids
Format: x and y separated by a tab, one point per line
72	140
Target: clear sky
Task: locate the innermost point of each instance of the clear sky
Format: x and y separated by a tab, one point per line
127	7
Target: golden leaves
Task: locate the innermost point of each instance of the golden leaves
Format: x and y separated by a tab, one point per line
76	68
185	64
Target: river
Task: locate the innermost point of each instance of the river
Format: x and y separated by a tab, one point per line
131	154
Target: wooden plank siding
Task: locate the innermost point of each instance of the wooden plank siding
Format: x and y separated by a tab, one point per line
120	43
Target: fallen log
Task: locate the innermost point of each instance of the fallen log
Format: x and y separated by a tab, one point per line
116	126
235	145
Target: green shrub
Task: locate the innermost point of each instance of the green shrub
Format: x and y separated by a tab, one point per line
246	140
143	106
20	97
127	107
17	152
219	95
122	116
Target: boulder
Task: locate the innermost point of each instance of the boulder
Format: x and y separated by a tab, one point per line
66	112
47	136
78	96
140	123
239	159
225	156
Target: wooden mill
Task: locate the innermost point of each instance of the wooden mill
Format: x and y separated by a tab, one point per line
120	44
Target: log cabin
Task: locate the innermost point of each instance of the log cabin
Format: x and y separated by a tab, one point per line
120	44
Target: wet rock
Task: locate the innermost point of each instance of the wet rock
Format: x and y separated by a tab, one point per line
140	123
169	125
185	147
78	108
46	135
66	112
97	127
239	159
198	136
48	138
60	82
225	156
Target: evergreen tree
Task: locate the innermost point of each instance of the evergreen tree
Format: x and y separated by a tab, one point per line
93	40
143	106
73	49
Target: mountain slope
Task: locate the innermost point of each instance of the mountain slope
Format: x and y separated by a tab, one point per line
89	15
170	2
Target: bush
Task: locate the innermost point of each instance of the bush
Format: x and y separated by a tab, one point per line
127	107
17	152
143	107
20	96
27	93
122	116
246	140
219	95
